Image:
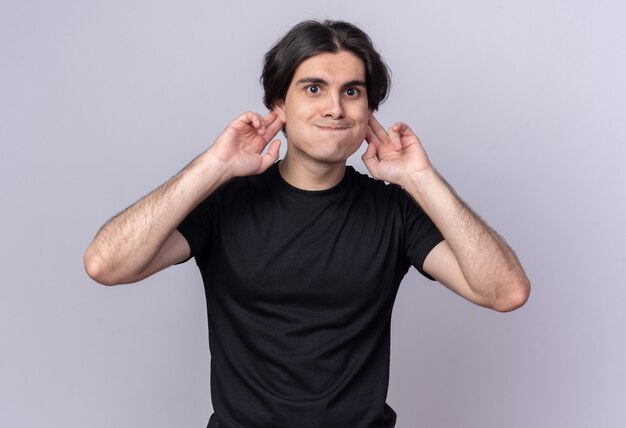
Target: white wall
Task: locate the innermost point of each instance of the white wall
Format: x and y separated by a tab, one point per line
519	104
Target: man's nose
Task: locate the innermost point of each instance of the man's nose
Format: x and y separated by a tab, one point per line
333	107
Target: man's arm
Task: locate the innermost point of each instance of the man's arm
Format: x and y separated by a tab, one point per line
143	239
473	261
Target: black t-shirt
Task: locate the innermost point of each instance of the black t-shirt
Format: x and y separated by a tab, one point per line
300	287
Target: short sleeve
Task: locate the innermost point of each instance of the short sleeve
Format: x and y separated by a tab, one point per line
421	234
196	227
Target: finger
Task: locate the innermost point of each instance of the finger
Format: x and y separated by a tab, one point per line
259	123
371	138
378	130
269	118
273	125
404	130
395	138
271	156
251	118
370	153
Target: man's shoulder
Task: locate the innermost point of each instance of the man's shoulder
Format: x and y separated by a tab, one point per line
366	182
250	182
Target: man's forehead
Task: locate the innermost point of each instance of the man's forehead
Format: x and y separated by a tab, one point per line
331	67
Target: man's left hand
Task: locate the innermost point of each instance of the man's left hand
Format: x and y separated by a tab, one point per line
394	155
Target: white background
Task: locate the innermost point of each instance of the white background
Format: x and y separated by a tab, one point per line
520	105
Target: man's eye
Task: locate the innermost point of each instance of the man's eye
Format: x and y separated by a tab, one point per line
352	92
313	89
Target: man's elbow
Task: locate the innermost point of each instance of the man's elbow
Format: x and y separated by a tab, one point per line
97	269
516	296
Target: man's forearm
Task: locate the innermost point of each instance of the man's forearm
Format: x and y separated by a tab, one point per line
488	264
128	242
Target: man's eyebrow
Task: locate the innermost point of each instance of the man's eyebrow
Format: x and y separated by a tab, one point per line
354	83
322	82
312	80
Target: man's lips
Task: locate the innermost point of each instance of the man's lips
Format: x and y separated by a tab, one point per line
332	126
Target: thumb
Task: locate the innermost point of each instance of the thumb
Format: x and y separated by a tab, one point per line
370	160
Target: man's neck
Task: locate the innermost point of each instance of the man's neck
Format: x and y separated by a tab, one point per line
307	174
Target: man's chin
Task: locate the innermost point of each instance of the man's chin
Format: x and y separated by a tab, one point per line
333	156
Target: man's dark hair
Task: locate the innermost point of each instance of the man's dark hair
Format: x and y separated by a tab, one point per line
310	38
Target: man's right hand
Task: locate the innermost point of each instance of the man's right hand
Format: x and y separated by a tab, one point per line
143	239
238	149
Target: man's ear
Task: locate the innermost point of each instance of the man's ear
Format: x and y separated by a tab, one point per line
278	107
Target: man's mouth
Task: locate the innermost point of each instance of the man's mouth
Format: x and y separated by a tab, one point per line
332	126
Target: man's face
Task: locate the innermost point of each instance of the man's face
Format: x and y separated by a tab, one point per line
325	110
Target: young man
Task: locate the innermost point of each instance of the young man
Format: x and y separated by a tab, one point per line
301	260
